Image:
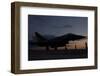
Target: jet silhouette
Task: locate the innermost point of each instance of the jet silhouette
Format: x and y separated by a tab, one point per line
57	41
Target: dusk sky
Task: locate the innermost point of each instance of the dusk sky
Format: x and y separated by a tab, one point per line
56	25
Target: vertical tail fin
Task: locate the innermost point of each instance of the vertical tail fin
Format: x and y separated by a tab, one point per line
39	37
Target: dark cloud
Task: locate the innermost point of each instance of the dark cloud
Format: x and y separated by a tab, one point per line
63	26
67	26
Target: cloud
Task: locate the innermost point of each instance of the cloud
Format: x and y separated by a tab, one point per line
68	26
63	26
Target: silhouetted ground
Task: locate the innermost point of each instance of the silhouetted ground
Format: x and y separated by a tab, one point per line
42	54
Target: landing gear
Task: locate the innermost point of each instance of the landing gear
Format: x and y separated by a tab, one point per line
86	46
47	47
65	47
55	48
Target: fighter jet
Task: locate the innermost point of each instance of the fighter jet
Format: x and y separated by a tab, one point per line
57	41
